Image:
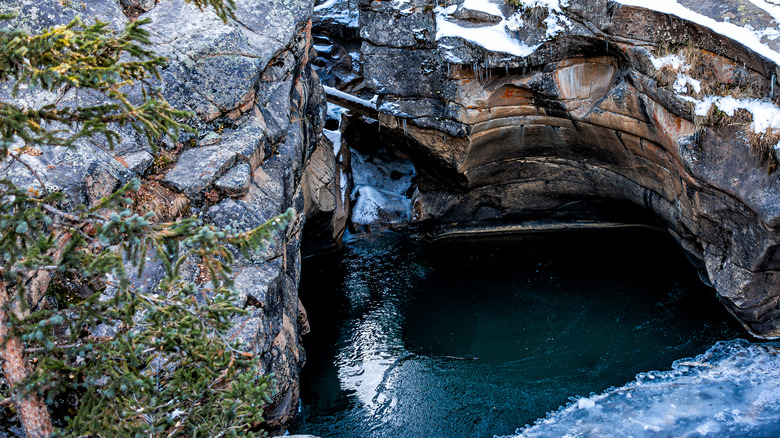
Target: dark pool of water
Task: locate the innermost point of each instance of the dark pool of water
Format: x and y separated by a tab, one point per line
480	336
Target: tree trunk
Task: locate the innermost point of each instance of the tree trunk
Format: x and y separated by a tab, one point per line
36	283
30	407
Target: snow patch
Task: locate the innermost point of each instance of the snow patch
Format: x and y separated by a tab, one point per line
371	201
677	62
772	9
556	21
335	138
380	187
483	6
766	115
552	5
343	185
494	38
682	82
327	5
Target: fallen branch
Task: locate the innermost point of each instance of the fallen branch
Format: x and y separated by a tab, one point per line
352	103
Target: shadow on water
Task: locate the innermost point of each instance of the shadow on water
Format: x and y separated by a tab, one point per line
480	336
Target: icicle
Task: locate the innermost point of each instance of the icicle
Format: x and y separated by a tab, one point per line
607	45
403	122
772	87
506	67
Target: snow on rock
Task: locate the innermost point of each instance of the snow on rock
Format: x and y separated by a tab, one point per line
672	60
731	390
483	6
682	82
772	9
501	37
378	207
495	38
380	190
394	176
556	21
745	35
338	11
335	138
766	115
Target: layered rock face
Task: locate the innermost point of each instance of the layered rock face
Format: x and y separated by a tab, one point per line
259	110
570	121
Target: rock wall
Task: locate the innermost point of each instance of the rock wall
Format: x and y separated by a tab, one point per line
259	111
575	123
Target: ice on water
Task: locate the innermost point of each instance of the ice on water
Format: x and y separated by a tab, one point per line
731	390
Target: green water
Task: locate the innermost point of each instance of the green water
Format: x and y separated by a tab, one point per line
480	336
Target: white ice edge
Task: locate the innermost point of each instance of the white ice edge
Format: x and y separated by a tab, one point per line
731	390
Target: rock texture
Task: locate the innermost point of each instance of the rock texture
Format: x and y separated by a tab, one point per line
582	127
337	40
259	111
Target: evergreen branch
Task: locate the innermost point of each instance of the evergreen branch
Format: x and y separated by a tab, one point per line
37	177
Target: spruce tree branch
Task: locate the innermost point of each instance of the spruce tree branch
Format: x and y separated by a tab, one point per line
18	159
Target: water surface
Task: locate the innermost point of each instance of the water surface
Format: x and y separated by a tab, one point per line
480	336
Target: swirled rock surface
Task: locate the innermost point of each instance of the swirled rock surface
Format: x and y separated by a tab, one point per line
575	110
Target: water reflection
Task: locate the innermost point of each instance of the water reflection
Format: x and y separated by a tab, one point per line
477	337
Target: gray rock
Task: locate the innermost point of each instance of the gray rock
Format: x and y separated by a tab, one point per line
142	5
137	162
337	19
234	214
272	97
197	168
248	139
259	285
84	173
217	62
390	27
478	16
236	181
254	71
398	72
38	15
210	139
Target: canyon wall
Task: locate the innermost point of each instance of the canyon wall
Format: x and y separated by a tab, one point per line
259	112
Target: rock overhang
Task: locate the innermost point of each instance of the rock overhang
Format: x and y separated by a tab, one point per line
583	119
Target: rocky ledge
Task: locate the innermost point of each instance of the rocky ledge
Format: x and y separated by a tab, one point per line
578	110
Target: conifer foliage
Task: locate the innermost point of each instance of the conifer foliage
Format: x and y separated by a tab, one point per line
166	366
